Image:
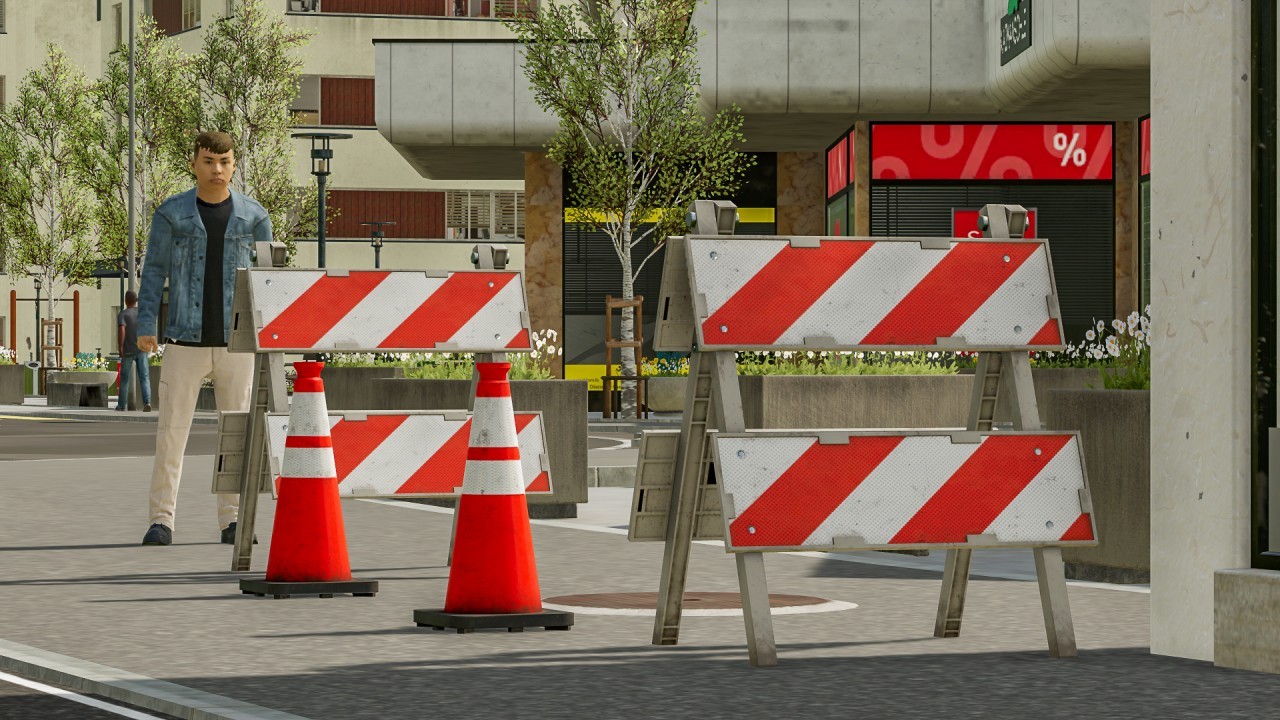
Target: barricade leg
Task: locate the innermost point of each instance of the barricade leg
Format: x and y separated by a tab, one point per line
955	583
761	648
268	395
1054	601
453	535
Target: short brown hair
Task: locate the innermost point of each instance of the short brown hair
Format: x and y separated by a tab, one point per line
217	143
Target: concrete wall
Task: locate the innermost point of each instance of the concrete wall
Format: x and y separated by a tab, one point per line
1246	634
800	71
1200	377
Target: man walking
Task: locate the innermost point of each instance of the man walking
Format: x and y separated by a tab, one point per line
131	358
198	239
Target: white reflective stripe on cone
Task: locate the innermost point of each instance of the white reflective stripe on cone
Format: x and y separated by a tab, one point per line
308	463
493	477
308	414
493	423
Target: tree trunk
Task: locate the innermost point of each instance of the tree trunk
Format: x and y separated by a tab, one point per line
630	407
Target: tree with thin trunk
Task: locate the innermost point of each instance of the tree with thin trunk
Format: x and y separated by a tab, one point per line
46	208
247	76
166	109
622	77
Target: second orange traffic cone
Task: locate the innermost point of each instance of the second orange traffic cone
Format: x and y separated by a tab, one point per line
309	543
493	582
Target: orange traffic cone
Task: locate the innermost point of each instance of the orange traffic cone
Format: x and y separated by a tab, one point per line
308	545
493	582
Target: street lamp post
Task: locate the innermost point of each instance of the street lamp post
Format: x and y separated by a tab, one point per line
321	154
39	334
375	239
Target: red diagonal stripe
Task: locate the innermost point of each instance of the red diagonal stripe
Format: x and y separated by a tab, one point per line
520	341
317	310
447	310
542	483
784	289
354	441
523	420
1081	529
952	292
308	441
980	489
1048	334
808	492
442	472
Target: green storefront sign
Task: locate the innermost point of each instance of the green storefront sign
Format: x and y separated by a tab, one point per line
1015	30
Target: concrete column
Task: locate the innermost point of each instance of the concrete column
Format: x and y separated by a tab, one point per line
1200	301
544	246
802	190
1127	268
862	178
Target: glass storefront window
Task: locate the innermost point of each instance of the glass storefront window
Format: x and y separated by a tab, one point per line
838	215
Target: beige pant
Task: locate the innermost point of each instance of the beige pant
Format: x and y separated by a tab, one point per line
182	370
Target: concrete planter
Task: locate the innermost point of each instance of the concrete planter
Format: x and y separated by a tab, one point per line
665	394
1115	428
69	388
348	388
12	386
855	401
563	404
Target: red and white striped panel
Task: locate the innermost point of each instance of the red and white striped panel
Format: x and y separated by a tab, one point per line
493	455
873	294
786	491
308	446
413	454
381	310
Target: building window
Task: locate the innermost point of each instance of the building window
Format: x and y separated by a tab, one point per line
1	16
119	25
840	187
417	214
1	92
190	14
419	8
306	106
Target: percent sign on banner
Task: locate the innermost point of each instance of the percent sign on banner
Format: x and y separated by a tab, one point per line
1012	151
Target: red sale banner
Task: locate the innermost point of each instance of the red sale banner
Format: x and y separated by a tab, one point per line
964	223
837	166
991	152
1145	133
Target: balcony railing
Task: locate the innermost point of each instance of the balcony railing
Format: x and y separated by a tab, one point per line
493	9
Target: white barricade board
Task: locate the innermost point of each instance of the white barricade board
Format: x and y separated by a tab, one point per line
396	454
898	489
811	293
302	310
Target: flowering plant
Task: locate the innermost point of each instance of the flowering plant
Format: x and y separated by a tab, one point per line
1122	350
534	365
897	362
88	362
665	364
156	357
7	356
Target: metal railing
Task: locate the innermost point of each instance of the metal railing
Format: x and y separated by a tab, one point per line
493	9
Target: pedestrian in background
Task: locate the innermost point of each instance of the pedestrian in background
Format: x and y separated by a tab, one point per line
133	361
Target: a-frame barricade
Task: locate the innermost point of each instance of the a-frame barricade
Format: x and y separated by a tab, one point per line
883	489
280	310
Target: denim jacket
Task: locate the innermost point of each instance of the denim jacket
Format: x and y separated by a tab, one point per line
175	251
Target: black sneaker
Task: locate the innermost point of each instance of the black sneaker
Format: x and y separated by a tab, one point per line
158	535
146	408
229	535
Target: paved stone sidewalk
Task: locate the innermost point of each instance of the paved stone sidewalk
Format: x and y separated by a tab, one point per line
75	582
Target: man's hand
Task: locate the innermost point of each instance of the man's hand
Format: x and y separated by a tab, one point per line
147	343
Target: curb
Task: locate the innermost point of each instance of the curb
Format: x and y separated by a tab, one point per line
621	476
199	419
127	687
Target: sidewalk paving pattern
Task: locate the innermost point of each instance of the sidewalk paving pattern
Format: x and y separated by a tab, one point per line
76	583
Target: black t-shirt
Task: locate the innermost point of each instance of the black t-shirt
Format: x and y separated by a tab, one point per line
215	218
129	319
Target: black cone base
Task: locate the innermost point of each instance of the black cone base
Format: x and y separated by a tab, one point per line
279	590
512	622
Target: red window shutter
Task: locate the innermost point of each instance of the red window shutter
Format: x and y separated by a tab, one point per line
417	214
346	101
168	15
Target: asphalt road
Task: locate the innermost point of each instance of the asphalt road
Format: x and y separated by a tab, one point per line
42	439
18	702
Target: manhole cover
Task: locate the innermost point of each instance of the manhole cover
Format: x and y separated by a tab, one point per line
695	604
